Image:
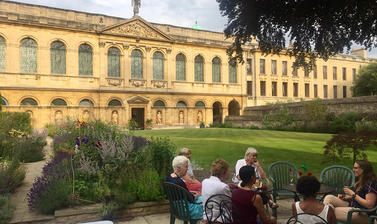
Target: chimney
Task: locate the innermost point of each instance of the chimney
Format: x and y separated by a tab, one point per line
360	52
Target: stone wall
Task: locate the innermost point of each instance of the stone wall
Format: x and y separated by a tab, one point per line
367	106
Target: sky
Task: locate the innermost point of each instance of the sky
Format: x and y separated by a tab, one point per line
174	12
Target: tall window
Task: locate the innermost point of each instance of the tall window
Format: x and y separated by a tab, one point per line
85	60
307	90
232	71
249	88
274	86
180	67
285	89
334	73
262	88
335	90
28	55
324	72
136	64
315	90
113	62
273	67
216	70
353	74
294	71
315	71
344	71
284	68
199	69
57	57
262	69
2	53
306	72
295	89
249	66
344	91
158	65
325	91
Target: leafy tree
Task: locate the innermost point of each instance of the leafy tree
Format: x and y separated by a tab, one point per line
1	102
314	28
365	83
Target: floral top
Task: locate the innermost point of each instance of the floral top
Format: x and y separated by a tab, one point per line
368	188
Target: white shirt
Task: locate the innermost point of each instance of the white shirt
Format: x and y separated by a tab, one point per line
211	186
240	163
311	218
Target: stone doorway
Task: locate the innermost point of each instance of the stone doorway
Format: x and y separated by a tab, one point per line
138	116
234	108
217	112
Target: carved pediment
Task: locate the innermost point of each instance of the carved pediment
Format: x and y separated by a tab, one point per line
139	28
137	100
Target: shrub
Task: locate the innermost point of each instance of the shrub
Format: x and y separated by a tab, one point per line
30	149
132	124
365	125
345	122
279	120
222	125
11	175
148	185
6	209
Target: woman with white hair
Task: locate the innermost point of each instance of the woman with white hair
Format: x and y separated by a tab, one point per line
180	167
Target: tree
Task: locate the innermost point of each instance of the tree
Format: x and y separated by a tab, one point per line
365	83
318	28
1	101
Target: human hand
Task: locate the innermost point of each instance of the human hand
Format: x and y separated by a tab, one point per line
348	191
256	163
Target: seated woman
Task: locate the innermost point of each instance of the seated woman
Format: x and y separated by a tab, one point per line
180	167
364	196
191	182
308	186
246	204
251	160
215	185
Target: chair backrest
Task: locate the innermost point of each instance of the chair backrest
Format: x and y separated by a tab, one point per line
315	219
281	172
218	208
338	177
178	199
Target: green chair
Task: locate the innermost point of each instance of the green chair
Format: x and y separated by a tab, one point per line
337	177
280	173
371	213
179	199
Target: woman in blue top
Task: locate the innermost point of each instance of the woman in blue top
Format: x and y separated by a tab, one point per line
364	194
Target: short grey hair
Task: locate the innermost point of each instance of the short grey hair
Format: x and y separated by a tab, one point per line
179	162
184	151
249	152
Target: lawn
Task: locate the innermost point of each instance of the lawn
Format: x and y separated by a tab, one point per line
230	144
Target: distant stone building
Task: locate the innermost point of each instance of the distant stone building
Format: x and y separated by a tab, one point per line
56	63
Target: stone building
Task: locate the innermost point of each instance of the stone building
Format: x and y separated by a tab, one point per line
56	63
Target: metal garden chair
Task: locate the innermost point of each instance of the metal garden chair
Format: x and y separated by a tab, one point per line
280	173
337	177
317	219
179	199
218	208
371	213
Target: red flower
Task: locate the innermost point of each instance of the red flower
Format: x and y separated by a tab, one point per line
290	169
309	174
299	173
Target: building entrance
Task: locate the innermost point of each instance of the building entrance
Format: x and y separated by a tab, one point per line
138	116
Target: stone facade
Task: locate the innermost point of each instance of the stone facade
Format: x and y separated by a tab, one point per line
164	99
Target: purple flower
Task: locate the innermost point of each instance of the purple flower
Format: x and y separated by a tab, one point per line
140	141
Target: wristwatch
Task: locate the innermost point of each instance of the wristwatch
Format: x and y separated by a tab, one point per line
354	196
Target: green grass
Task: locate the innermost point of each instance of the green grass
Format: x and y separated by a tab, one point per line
230	144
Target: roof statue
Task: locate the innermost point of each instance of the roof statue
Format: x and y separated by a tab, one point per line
136	5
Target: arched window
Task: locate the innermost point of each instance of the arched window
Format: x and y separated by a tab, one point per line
113	62
216	70
137	64
199	69
2	53
4	101
234	108
57	54
181	104
180	67
158	65
115	103
85	60
29	102
199	104
58	102
86	103
232	71
159	103
28	55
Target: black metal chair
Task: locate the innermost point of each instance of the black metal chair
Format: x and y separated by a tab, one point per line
316	219
218	208
179	199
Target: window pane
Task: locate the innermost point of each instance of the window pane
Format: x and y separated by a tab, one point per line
136	64
274	88
58	102
113	62
273	67
181	104
85	60
2	53
199	104
261	66
262	88
249	88
199	69
284	68
4	101
180	67
159	103
115	103
249	66
86	103
325	72
29	102
216	70
57	54
28	56
158	65
232	71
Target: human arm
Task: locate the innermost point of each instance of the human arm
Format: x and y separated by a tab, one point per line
369	201
331	219
260	170
258	204
294	211
190	180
